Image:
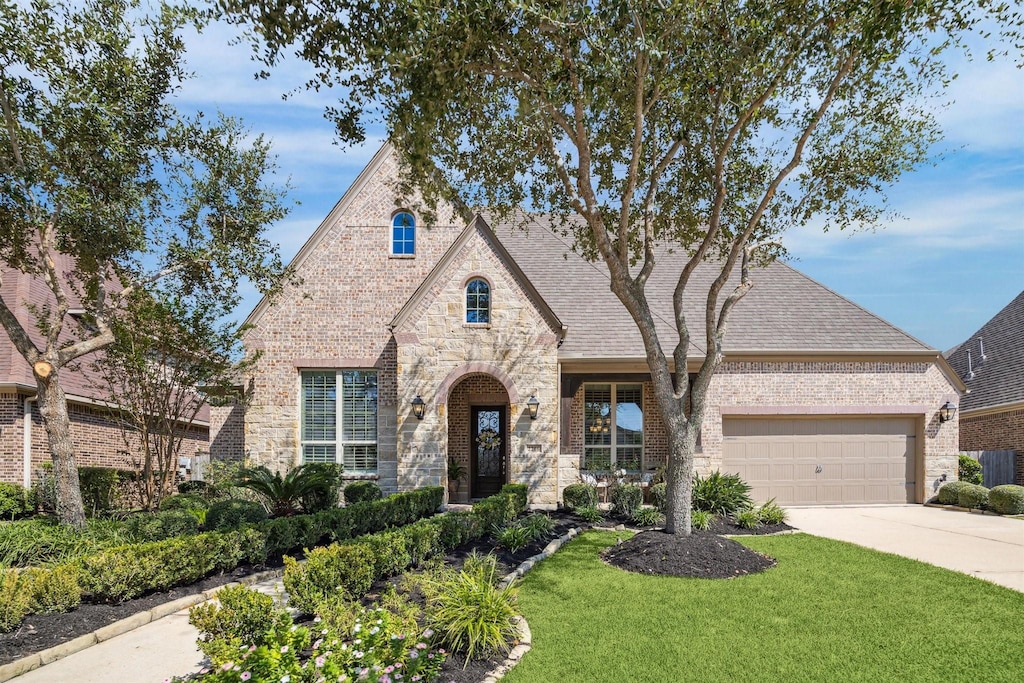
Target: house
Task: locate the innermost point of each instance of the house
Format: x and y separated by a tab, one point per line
501	348
98	440
991	364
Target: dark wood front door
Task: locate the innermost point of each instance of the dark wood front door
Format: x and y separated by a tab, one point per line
487	444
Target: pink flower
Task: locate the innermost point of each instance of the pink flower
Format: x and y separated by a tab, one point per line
284	648
319	662
246	675
227	666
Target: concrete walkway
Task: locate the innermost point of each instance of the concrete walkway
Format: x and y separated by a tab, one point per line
983	546
148	654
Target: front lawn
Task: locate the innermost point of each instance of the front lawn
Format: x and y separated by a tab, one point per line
829	611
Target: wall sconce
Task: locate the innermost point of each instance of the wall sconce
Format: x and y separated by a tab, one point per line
419	408
532	406
947	412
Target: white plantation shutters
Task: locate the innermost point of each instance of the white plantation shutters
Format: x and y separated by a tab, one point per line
342	431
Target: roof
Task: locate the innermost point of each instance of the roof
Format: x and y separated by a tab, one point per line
999	373
785	311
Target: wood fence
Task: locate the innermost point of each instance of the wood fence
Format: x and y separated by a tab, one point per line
997	467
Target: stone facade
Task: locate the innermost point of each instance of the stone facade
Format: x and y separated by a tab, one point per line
999	431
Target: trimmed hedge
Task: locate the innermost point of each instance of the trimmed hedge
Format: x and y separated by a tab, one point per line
579	496
36	590
184	501
626	498
949	494
233	513
362	491
973	496
659	496
1007	499
15	500
148	526
501	508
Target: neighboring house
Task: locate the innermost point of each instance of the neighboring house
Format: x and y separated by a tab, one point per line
991	364
818	400
97	438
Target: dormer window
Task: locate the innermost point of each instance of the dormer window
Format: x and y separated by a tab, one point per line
478	301
403	234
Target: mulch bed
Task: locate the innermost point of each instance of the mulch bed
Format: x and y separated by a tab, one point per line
702	554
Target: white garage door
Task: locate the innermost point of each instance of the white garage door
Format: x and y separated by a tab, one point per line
809	461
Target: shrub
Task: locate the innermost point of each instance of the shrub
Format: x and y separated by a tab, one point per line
969	470
577	496
519	492
539	524
721	494
99	487
748	519
701	520
242	617
324	495
626	498
362	492
232	513
349	568
647	516
513	537
973	496
15	599
283	495
591	515
160	525
15	501
470	614
949	494
184	501
53	590
1007	499
458	528
659	496
771	513
496	511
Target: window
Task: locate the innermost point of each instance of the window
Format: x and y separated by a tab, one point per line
342	431
478	301
613	427
403	234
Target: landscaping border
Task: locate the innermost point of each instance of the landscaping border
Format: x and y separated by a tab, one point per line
958	508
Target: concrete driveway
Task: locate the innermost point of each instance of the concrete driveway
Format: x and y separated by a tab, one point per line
984	546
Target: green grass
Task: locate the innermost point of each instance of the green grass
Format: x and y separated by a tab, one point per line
829	611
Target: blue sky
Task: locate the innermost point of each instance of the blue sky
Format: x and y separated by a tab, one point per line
953	260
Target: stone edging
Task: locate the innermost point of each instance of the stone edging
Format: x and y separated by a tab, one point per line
525	639
52	654
973	511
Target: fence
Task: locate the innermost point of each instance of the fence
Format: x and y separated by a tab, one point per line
997	467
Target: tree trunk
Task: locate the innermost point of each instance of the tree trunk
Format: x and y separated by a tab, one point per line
679	478
53	407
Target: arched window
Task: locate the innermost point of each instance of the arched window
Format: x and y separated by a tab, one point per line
478	301
403	234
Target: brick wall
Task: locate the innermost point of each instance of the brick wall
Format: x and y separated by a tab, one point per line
995	432
227	431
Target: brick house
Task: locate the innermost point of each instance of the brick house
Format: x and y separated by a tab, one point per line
409	344
97	438
991	364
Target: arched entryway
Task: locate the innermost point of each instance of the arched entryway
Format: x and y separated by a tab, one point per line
478	435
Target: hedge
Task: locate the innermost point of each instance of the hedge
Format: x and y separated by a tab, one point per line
1007	499
949	494
973	496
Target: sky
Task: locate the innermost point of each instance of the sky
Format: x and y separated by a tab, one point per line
953	259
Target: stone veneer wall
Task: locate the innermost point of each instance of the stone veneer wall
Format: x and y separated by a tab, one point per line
473	389
436	347
812	388
98	440
338	319
995	432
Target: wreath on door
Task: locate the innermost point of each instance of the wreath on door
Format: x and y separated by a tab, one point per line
488	439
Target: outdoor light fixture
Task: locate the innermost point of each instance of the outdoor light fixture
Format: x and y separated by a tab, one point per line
419	408
947	412
533	405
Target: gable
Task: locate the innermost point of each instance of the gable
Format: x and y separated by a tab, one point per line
996	360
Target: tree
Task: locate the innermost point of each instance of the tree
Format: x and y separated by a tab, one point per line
707	126
157	375
109	193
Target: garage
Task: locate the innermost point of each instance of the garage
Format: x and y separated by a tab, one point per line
823	461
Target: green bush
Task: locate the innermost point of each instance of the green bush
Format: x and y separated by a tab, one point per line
232	513
15	501
539	524
771	513
513	537
949	494
241	616
591	515
184	501
53	590
701	520
577	496
348	568
626	498
458	528
969	470
42	540
148	526
647	516
324	495
748	519
973	496
362	492
15	599
1007	499
520	493
497	510
659	496
471	614
721	494
99	487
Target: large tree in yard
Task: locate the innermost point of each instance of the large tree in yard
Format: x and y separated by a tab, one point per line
707	126
108	194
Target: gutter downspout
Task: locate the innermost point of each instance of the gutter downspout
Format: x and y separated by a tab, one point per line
26	446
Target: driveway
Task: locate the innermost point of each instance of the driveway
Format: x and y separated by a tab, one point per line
984	546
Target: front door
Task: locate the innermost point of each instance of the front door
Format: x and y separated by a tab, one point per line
487	434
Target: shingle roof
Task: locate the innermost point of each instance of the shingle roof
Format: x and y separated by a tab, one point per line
784	311
999	377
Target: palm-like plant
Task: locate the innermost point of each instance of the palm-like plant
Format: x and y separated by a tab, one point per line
282	495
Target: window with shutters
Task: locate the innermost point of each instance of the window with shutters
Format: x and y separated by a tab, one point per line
339	418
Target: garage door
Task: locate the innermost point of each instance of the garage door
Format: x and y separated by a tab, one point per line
808	461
